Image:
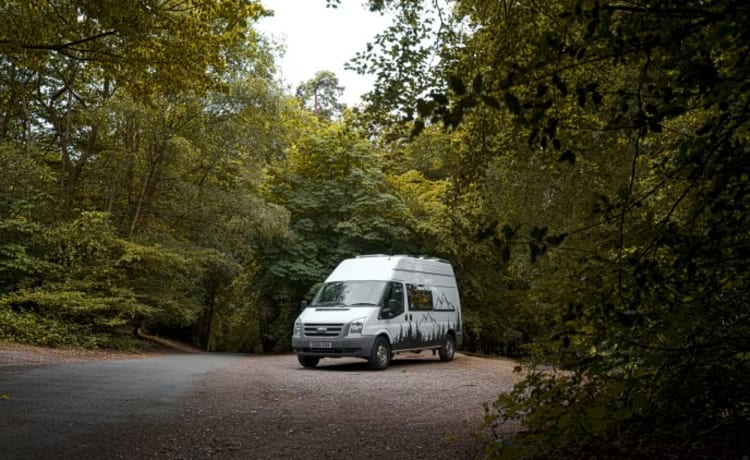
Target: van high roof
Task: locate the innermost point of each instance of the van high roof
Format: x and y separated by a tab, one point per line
397	268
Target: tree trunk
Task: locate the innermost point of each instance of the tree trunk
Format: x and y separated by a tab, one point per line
146	191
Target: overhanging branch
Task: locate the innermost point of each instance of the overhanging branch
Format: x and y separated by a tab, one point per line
57	46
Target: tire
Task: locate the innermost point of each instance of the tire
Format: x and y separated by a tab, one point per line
380	357
308	361
448	350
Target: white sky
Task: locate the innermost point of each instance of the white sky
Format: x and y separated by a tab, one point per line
319	38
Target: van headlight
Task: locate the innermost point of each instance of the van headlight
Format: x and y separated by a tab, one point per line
298	328
355	327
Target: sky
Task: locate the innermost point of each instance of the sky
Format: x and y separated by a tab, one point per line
319	38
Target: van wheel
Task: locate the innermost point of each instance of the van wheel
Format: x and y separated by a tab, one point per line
448	350
381	354
308	361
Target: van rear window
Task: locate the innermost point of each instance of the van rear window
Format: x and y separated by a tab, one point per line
420	297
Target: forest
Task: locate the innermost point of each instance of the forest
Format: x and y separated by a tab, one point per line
582	163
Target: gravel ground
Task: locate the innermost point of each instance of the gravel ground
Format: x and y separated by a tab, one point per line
268	407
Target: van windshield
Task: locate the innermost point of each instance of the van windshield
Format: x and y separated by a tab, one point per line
350	293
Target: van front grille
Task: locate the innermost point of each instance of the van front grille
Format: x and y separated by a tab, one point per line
323	330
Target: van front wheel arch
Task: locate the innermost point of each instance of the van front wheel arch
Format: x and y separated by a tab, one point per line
380	356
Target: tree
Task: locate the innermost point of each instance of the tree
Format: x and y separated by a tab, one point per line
339	204
135	135
650	311
148	46
321	95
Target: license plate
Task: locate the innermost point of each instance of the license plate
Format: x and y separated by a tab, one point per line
321	345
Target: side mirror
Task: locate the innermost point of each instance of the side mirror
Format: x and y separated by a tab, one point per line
386	313
303	305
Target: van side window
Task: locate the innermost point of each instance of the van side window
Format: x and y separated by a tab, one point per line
420	297
394	298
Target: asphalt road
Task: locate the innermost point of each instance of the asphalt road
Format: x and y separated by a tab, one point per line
237	406
48	405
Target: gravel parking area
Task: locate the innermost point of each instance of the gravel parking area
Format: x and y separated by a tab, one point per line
269	407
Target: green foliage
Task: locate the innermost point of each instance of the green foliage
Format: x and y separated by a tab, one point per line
145	47
624	175
666	305
339	206
401	58
102	285
164	281
238	322
26	326
21	259
134	155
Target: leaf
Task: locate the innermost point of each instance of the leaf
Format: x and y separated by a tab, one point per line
533	135
417	128
578	9
440	98
514	105
425	108
508	231
484	233
591	27
560	85
457	85
537	233
675	111
556	240
568	156
534	251
491	101
453	118
581	93
477	85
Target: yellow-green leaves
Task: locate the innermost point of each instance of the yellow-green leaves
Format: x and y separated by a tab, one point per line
145	46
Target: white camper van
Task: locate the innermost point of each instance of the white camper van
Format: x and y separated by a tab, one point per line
375	306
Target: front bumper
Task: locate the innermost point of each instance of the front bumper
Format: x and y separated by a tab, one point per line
340	346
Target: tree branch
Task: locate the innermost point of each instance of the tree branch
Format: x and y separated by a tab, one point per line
58	46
